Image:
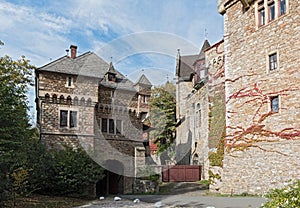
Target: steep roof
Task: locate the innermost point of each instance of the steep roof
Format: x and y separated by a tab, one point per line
87	64
111	69
205	46
143	80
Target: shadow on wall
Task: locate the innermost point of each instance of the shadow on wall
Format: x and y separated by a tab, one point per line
183	151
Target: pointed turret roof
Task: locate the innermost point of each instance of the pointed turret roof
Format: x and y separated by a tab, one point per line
143	80
111	69
205	46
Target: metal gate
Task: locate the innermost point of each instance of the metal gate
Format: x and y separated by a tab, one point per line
181	173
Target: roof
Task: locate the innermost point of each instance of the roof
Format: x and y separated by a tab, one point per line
90	65
143	80
186	66
111	69
205	46
87	64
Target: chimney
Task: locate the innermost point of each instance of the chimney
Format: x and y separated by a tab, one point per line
73	51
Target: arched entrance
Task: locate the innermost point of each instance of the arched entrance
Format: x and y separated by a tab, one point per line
113	181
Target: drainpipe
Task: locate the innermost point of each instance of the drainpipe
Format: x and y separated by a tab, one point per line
41	117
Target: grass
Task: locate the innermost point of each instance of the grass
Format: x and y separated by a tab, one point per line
41	201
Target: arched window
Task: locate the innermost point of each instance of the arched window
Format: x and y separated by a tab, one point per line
54	98
69	100
47	98
195	159
61	99
75	100
82	101
89	102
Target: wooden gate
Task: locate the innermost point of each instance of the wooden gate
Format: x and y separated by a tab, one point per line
181	173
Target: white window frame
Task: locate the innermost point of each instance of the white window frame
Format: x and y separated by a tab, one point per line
67	82
68	118
268	61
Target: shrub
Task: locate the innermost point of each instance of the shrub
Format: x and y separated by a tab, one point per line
288	197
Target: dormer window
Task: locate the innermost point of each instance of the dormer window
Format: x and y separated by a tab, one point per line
111	77
69	82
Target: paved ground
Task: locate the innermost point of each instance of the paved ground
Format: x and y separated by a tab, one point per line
179	195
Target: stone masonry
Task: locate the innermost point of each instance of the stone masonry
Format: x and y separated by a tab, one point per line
262	94
200	106
83	101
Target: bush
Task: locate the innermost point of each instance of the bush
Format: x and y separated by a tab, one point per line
71	172
288	197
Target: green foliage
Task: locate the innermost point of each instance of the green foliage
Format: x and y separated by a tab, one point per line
15	77
26	165
148	173
216	158
163	115
71	172
288	197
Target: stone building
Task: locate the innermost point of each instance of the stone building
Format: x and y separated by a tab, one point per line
200	105
262	45
82	100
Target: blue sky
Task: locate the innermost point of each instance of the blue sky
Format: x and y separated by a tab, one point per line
141	36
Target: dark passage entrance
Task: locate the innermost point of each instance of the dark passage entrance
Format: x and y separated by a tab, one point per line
113	182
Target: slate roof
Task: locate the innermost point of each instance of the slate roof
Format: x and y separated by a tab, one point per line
186	63
87	64
205	46
90	65
111	69
186	67
143	80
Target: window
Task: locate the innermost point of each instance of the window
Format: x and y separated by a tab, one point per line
82	101
261	13
63	118
69	82
54	98
73	119
118	127
271	11
282	7
104	125
61	99
69	100
68	118
143	99
76	100
47	98
198	116
89	102
274	104
111	77
273	61
111	126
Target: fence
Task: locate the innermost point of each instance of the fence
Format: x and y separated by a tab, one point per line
181	173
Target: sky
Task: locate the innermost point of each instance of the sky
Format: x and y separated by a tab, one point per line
138	36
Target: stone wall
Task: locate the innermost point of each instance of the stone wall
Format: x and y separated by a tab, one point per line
256	171
249	87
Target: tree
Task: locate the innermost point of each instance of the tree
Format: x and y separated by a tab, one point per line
163	115
15	77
